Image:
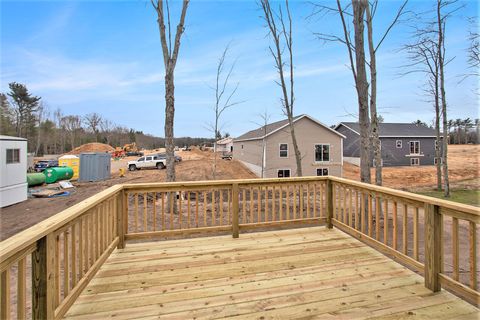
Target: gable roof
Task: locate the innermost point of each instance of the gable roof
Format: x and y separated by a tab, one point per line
273	127
386	130
225	140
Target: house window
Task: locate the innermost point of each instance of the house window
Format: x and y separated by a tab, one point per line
13	156
398	143
283	150
414	162
436	160
284	173
322	152
414	147
322	172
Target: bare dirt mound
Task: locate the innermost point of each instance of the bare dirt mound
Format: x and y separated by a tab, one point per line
92	147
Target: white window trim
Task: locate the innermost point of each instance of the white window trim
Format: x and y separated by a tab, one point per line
401	144
412	160
329	152
322	168
282	150
285	169
410	147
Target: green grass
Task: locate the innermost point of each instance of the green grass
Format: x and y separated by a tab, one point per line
471	197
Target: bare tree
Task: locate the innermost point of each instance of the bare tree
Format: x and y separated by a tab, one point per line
265	118
223	99
474	48
362	12
281	33
72	124
41	111
107	127
170	55
93	121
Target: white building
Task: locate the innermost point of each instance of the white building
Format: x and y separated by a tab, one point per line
13	170
225	145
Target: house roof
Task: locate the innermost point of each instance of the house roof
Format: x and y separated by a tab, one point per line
224	140
386	130
10	138
273	127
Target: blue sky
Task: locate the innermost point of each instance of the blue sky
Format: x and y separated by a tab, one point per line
105	57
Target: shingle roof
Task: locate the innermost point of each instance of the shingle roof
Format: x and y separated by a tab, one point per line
274	126
259	133
396	129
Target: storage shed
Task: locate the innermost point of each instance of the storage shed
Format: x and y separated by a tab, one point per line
13	170
94	166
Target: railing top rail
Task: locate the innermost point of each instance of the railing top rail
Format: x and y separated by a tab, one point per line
25	238
472	210
219	183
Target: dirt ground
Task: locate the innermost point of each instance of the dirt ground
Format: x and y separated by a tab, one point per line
464	169
196	166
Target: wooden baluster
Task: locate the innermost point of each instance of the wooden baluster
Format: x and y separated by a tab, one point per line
5	294
228	207
322	194
280	203
345	215
101	227
66	269
91	241
259	204
394	218
378	204
357	211
472	238
74	255
21	288
81	248
265	216
274	214
196	209
188	209
370	217
244	205
385	221
330	203
136	212
213	208
288	203
154	204
221	207
171	198
163	211
350	213
98	230
363	213
455	249
235	227
205	208
415	234
251	205
405	229
314	200
304	202
295	201
180	197
334	201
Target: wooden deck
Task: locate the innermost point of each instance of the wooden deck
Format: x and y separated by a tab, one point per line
298	273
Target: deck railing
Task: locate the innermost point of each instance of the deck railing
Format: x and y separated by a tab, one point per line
59	256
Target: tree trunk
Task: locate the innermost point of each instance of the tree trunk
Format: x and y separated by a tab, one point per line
377	153
298	156
441	48
362	89
437	132
169	117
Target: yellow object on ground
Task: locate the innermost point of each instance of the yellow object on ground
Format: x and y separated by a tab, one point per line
122	172
72	162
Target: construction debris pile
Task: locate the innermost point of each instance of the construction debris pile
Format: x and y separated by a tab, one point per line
92	147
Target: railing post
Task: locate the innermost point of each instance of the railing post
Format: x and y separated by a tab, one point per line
43	278
235	228
433	240
121	213
329	204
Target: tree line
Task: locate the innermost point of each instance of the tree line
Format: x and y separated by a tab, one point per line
25	115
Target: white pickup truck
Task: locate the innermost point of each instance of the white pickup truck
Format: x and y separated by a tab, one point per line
153	161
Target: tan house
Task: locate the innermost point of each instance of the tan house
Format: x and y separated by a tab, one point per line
269	149
225	145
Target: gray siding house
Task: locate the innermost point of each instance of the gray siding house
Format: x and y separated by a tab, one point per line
402	144
271	147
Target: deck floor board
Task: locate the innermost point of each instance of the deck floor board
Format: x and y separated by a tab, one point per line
310	273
